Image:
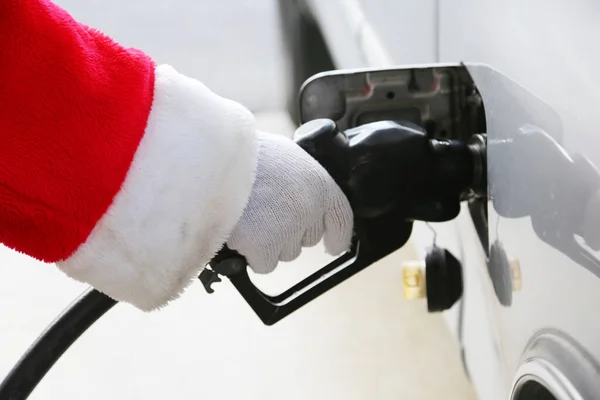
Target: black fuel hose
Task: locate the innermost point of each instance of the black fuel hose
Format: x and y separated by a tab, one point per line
53	342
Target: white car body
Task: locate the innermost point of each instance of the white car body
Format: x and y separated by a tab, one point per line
550	49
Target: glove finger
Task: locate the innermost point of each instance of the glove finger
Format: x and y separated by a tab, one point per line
265	263
313	235
291	251
261	259
339	221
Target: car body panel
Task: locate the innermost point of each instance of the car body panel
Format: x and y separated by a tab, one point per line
545	55
396	22
544	47
353	31
342	32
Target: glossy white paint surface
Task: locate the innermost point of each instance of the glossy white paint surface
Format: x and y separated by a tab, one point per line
550	49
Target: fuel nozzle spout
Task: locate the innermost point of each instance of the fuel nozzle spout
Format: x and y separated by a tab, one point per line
459	164
386	165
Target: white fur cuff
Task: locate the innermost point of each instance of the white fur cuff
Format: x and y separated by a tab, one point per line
184	193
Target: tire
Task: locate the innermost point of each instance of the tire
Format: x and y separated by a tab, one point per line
307	53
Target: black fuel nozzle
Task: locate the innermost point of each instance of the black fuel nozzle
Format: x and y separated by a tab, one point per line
388	165
393	174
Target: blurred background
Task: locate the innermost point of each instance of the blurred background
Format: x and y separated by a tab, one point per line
359	341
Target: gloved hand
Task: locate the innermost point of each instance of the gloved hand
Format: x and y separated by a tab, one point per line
294	203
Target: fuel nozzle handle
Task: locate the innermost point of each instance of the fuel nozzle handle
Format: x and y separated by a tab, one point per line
392	174
322	139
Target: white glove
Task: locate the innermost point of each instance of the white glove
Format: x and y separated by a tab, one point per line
294	203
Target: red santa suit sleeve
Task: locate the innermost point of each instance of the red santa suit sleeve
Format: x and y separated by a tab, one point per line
126	174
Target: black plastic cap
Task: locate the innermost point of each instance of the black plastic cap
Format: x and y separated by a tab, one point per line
444	279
